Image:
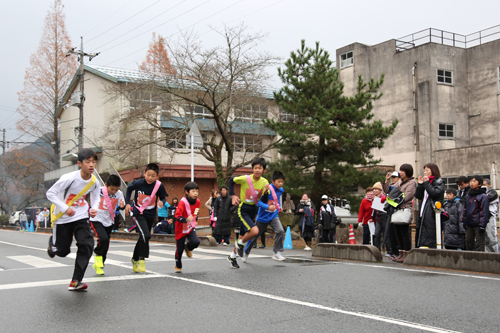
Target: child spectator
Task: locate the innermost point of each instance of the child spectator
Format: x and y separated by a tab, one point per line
365	214
463	184
305	210
23	221
454	231
476	215
223	208
269	207
173	207
328	220
380	220
72	220
40	219
165	227
186	217
252	188
147	192
102	223
163	212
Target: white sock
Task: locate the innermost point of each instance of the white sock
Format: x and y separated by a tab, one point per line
240	242
233	255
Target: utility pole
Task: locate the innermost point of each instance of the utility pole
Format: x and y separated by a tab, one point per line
3	158
81	55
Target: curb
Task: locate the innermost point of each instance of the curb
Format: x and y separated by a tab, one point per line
348	251
484	262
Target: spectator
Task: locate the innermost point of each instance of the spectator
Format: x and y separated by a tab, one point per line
395	177
365	214
407	185
40	219
491	239
328	220
173	207
163	213
223	207
165	227
32	216
23	221
380	219
430	190
463	184
454	232
305	210
476	215
210	206
46	215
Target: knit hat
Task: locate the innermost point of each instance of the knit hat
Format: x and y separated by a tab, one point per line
378	185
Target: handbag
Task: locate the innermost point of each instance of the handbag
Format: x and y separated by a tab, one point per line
401	216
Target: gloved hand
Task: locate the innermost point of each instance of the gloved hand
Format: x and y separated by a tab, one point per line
482	229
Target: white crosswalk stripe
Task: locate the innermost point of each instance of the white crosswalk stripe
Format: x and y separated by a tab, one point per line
129	255
36	261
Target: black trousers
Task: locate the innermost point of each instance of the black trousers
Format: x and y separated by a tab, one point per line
474	240
103	235
62	237
192	243
403	236
116	221
395	246
144	225
327	235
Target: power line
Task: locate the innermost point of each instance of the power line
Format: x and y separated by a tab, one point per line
123	21
26	132
109	48
7	107
192	25
128	55
109	17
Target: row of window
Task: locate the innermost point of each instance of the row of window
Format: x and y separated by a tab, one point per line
443	76
241	143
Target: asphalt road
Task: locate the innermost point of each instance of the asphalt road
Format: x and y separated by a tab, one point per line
301	294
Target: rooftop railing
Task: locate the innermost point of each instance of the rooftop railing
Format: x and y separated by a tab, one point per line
432	35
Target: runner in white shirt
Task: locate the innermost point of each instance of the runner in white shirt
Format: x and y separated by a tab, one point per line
74	219
102	223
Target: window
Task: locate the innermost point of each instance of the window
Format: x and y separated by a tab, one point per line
198	112
346	59
444	76
446	131
239	143
287	117
140	99
253	145
176	139
450	182
499	80
251	113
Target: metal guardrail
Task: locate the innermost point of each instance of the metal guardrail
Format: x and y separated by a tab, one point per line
432	35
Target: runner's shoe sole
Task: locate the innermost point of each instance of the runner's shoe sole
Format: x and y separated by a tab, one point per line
234	263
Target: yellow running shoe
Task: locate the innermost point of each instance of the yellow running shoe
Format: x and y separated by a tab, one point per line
98	269
178	270
189	253
142	266
98	261
135	265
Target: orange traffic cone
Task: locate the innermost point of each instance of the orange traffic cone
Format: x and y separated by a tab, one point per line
352	240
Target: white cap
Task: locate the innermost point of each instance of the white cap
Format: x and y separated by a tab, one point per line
324	197
395	174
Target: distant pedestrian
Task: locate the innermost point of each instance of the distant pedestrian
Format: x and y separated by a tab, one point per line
476	215
210	206
23	221
165	227
223	208
327	220
380	219
305	210
454	231
365	214
464	188
491	239
40	219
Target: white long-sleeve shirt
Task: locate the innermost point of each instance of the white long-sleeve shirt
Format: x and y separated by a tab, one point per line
103	214
74	183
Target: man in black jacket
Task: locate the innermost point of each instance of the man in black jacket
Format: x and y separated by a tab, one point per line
464	188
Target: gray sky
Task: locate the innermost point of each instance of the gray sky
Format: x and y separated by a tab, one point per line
333	23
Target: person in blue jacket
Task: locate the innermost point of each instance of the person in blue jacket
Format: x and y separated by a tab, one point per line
268	215
476	215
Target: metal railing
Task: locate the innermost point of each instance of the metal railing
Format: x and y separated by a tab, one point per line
437	36
123	186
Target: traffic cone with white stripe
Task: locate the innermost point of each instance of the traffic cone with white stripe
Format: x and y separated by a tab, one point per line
352	239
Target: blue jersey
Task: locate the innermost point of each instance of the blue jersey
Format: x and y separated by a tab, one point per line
264	215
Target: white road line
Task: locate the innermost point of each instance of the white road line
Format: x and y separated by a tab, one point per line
196	254
129	255
26	247
36	261
66	282
108	261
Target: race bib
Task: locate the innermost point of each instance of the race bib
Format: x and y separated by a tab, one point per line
78	203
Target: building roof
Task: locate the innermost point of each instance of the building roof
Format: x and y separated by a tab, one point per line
237	127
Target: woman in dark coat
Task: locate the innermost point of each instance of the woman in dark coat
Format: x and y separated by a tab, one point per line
306	230
430	189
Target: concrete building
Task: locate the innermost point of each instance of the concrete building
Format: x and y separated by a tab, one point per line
174	158
444	89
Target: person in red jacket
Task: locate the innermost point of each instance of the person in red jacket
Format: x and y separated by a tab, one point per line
186	216
365	214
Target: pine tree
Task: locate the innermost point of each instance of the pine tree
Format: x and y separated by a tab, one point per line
328	135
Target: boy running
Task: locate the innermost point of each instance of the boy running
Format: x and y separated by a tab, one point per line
251	191
74	219
186	216
147	191
269	207
102	223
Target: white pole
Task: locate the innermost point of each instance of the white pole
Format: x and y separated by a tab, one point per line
192	157
438	229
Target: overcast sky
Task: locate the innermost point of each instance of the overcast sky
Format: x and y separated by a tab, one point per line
333	23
